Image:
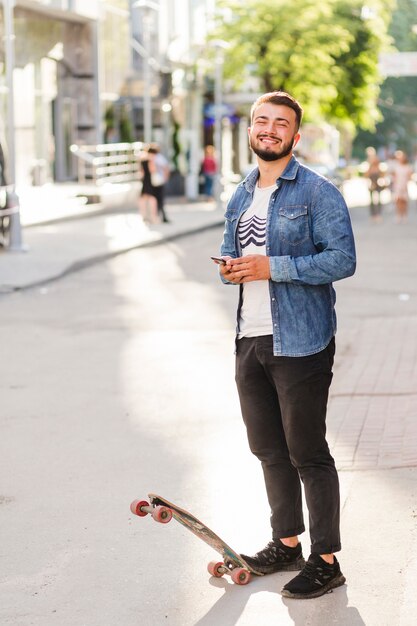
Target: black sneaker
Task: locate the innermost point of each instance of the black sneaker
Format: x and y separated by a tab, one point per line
314	580
276	557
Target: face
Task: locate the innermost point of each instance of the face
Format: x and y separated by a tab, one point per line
273	133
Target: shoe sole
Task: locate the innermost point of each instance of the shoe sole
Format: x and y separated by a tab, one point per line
338	581
295	566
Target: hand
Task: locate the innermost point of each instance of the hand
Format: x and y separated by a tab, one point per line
246	269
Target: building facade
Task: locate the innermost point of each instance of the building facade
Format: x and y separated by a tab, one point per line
91	71
54	83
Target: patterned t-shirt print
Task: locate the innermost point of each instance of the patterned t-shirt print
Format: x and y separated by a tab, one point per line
252	231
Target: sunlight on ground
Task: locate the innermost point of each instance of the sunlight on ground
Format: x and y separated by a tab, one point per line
127	230
177	377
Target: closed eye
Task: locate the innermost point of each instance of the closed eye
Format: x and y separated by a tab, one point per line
280	122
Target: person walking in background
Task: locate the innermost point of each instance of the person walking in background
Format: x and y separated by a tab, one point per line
155	173
375	177
148	206
402	173
209	171
4	221
287	237
3	181
162	174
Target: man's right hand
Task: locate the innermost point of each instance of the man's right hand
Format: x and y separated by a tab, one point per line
227	273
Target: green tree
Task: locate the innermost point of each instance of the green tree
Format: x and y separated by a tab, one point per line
398	96
323	53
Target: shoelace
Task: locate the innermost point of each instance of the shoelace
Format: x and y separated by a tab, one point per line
313	573
270	553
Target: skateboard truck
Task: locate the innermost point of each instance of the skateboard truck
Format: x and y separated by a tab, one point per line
239	575
161	514
163	511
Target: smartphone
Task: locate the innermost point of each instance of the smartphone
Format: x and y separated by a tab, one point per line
218	259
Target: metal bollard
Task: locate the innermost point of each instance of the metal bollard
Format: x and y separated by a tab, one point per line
15	230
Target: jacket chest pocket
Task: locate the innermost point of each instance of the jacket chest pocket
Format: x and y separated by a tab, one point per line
293	223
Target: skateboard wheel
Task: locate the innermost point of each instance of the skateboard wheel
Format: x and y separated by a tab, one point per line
136	507
162	514
214	568
240	576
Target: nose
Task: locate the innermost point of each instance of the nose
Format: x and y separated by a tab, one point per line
270	127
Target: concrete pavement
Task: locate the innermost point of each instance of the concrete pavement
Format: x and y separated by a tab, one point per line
62	234
373	406
372	424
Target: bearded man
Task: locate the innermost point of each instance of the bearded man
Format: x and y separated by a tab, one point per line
287	238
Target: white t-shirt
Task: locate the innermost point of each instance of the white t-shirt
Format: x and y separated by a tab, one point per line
161	165
255	314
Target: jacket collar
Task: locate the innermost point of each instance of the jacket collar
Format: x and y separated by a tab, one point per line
289	173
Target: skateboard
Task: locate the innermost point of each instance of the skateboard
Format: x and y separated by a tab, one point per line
163	511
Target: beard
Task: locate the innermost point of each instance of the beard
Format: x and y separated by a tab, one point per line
283	150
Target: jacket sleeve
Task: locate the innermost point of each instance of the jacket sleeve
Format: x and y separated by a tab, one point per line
228	246
332	236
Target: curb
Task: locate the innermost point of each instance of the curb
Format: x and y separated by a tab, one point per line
78	266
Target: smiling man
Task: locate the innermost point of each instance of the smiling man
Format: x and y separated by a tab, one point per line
272	135
287	238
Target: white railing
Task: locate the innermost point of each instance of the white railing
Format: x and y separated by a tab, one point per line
107	163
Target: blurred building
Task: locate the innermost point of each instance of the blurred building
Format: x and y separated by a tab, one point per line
88	71
166	82
55	80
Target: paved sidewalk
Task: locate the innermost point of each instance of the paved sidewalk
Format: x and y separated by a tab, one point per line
56	245
372	420
373	403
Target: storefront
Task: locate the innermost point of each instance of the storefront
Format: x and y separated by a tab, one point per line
55	86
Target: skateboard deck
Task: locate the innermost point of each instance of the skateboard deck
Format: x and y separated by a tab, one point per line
163	510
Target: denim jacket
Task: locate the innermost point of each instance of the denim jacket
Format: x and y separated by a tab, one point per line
310	243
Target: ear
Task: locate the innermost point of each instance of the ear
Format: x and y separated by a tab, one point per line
296	140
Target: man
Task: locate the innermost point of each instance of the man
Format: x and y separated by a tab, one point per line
287	237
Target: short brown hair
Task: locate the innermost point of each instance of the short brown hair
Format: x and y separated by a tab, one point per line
278	97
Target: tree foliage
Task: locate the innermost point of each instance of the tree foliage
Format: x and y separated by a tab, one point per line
324	53
398	96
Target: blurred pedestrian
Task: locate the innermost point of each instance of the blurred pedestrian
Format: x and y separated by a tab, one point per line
375	177
402	173
148	205
155	173
209	171
4	220
287	238
3	181
163	173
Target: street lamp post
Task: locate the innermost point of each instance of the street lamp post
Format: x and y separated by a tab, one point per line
220	47
15	235
147	97
147	6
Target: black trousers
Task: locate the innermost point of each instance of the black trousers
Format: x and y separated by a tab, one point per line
284	403
160	199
